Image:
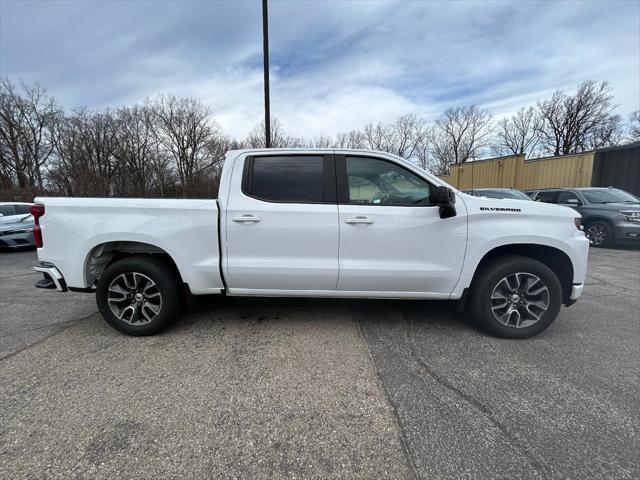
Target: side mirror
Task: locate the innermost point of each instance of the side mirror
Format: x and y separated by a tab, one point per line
573	201
445	198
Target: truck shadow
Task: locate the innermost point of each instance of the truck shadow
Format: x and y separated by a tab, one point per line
420	313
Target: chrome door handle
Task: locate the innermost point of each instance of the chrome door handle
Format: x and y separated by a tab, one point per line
359	220
246	219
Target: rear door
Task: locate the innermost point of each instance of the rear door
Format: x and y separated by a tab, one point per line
392	238
282	224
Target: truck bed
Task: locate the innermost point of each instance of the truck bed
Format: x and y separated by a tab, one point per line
78	234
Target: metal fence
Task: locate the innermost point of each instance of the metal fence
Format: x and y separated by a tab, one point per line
617	166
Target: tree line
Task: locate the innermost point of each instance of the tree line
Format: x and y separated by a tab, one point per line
171	146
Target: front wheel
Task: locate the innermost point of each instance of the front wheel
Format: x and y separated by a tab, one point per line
139	295
599	234
515	297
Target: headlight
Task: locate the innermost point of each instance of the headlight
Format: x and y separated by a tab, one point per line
630	216
578	222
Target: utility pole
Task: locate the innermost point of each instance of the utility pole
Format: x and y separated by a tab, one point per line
265	52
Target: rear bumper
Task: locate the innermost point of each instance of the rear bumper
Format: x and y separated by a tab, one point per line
52	277
16	240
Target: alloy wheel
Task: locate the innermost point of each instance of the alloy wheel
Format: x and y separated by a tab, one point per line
519	300
596	234
134	298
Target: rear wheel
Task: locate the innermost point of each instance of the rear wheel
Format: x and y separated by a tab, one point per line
515	297
139	295
599	234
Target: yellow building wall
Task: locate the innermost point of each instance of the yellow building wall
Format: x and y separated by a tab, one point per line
565	171
516	172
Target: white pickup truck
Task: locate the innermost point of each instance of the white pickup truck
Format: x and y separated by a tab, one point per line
316	223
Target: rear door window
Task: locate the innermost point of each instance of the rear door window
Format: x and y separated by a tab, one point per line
290	178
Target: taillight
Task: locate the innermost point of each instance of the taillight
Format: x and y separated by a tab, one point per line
37	210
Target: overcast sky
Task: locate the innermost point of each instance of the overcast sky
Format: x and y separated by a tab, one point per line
336	65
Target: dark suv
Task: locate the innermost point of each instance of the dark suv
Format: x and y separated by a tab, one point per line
609	215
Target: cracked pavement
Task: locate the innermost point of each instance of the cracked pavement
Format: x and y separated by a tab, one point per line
250	388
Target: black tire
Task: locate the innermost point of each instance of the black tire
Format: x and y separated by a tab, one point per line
599	234
488	278
146	267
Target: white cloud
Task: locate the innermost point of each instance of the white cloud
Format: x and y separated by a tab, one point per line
335	65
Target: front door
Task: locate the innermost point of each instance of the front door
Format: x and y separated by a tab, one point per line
392	238
282	224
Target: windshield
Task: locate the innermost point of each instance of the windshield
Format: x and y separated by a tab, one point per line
609	195
514	194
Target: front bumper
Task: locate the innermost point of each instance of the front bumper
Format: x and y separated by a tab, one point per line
576	291
627	232
52	277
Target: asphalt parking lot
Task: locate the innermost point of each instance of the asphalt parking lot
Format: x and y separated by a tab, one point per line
319	389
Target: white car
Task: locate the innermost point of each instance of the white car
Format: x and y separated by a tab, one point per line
16	225
316	223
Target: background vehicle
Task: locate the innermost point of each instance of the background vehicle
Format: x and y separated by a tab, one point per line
512	193
609	215
316	223
16	225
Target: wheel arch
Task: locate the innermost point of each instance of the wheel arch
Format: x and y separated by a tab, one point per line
597	218
106	253
554	258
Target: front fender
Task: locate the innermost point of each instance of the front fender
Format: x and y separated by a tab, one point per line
485	236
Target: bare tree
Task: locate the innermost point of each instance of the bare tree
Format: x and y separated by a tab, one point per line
350	139
279	138
10	138
608	133
423	155
184	126
518	134
439	152
110	153
401	137
406	135
634	126
27	118
321	141
136	151
217	147
460	135
84	147
377	137
579	122
171	145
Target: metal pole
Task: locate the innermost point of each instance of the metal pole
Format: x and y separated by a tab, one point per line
265	51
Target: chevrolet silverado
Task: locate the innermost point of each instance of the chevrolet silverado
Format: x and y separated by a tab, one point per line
316	223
